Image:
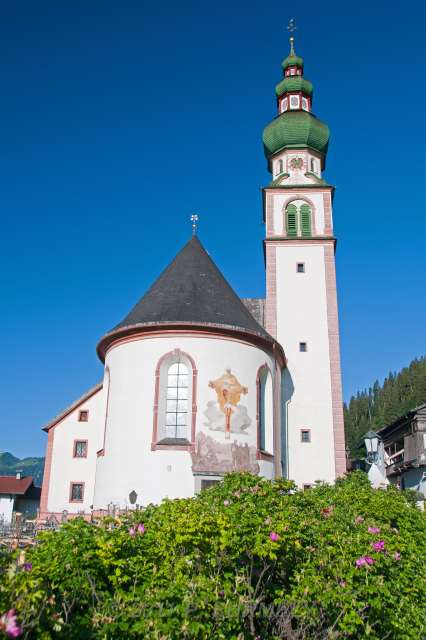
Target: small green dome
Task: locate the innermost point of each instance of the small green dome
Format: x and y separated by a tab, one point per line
295	129
292	61
294	83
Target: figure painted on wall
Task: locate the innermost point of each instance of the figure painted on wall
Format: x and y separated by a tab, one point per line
227	414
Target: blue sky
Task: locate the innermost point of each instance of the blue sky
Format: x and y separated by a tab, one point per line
119	119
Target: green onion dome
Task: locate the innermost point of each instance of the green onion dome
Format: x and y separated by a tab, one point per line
295	129
292	60
294	83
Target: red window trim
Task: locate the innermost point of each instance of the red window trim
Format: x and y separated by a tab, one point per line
81	412
71	486
155	445
74	446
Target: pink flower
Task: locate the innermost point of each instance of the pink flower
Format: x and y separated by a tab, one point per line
132	531
397	555
226	503
359	519
379	545
274	536
9	624
363	560
342	583
141	528
373	530
327	511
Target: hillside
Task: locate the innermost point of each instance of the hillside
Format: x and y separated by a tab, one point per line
9	465
382	404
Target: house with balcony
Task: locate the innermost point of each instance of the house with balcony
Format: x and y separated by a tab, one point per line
405	450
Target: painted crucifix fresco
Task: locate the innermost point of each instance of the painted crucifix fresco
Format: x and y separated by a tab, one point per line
227	413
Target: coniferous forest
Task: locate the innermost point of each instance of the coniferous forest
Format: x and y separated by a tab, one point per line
382	404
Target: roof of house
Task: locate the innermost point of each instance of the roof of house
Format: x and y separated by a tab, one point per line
190	291
402	419
91	392
16	486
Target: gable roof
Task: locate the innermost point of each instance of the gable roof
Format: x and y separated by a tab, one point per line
15	486
190	292
91	392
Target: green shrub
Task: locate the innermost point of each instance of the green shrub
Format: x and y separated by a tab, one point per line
248	558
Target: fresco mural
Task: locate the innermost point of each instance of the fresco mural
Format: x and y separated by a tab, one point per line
211	456
226	413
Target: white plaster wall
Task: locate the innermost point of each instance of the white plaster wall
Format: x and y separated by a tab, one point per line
129	463
65	468
302	317
279	201
6	507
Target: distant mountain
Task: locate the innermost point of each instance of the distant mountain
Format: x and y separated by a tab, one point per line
34	467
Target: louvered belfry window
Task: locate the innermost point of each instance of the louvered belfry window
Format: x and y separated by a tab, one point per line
298	220
291	220
177	401
305	220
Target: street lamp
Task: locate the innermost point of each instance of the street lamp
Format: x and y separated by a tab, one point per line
375	457
371	441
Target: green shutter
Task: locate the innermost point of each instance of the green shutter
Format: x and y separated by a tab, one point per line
305	220
291	220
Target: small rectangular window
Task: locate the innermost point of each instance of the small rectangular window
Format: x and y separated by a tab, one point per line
77	492
300	267
80	449
305	435
306	486
83	416
303	346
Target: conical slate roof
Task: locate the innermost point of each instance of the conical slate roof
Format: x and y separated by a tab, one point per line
192	289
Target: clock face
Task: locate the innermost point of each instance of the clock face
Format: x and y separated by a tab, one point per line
296	163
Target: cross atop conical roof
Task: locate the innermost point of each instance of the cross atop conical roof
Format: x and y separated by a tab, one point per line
192	292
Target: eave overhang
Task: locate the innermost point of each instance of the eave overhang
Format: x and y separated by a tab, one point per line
141	330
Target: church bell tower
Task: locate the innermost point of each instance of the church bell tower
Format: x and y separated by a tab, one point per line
301	297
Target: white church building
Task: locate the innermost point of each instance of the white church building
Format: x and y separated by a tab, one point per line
198	382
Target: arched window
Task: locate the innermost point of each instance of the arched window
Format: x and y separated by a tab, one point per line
312	165
265	415
305	220
174	401
177	401
298	220
291	220
280	166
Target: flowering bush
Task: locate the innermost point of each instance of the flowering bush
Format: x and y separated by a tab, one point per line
248	558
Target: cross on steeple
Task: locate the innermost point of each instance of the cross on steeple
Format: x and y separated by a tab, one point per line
194	219
292	28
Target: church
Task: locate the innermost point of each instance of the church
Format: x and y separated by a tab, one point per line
198	382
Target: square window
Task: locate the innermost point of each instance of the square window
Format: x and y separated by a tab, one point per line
77	492
305	435
300	268
303	347
83	416
80	449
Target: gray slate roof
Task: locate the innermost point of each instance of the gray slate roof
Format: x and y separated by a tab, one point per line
192	289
